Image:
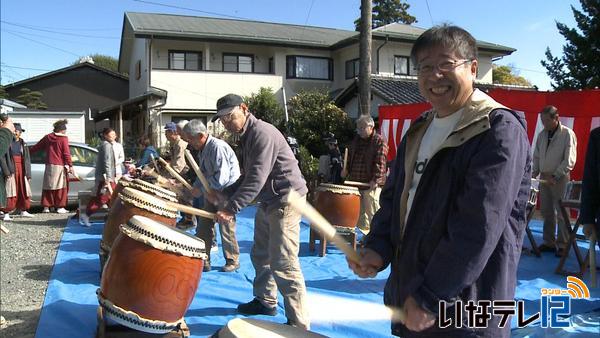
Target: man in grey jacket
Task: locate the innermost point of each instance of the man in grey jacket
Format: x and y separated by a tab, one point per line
270	170
554	157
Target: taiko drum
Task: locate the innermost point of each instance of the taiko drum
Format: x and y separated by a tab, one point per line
128	203
151	276
339	204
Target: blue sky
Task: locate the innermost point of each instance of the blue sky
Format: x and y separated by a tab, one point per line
43	35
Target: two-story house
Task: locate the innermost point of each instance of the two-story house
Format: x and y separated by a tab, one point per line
180	65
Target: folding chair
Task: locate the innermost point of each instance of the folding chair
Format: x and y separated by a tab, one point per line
530	209
571	200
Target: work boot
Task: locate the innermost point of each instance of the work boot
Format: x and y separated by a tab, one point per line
255	307
231	266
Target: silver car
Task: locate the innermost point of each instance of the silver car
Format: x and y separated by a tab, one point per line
84	165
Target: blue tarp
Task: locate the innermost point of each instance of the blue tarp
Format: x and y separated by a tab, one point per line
340	304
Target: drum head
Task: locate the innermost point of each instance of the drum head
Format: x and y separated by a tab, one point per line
155	189
338	189
255	328
148	202
163	237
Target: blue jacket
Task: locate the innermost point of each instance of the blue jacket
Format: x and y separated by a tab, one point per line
146	156
463	235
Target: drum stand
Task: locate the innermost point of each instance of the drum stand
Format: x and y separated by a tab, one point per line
119	331
347	233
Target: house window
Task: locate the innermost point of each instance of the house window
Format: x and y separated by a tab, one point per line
352	68
271	66
185	60
138	69
239	63
400	65
309	67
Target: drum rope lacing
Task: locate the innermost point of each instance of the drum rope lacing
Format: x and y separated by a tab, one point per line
166	211
190	250
133	318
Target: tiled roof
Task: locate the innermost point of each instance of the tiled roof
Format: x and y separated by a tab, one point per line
397	91
153	24
235	30
404	91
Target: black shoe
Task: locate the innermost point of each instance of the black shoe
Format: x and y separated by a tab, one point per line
206	267
546	248
230	267
255	307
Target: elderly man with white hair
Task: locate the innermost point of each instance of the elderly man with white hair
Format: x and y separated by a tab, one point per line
218	163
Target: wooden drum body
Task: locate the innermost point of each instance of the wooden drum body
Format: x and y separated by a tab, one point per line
151	276
131	202
339	204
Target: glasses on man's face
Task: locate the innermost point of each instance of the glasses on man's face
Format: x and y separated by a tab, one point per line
444	66
228	118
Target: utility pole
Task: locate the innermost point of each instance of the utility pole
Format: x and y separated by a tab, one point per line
364	75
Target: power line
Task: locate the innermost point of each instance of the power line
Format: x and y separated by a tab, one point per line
42	43
50	37
25	68
72	29
192	9
309	10
55	32
429	10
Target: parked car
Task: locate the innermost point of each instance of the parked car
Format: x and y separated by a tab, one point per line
84	165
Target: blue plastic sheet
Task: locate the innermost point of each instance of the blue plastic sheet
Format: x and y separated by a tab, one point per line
340	304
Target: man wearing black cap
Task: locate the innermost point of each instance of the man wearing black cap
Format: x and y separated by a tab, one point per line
270	172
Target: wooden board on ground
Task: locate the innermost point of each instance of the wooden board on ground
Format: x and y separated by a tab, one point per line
119	331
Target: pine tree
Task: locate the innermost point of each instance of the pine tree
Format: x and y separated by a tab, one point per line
579	67
389	11
31	99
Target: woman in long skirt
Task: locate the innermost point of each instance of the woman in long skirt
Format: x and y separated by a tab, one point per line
58	165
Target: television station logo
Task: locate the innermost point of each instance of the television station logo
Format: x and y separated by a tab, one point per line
555	307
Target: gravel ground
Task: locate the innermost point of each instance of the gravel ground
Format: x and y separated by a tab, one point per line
27	256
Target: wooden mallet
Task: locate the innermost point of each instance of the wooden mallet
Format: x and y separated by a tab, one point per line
196	168
320	224
175	174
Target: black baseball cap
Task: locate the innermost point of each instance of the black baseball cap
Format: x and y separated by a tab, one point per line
226	105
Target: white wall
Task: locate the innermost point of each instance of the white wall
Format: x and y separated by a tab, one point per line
201	90
138	53
39	123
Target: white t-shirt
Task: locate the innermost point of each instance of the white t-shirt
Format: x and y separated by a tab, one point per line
119	157
437	132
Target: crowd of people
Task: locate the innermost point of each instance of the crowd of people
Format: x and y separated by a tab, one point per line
448	215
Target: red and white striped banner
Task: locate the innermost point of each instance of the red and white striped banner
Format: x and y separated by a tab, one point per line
578	110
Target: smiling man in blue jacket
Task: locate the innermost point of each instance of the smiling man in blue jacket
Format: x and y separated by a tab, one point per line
452	210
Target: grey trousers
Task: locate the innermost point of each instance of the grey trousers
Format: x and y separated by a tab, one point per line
369	204
205	230
550	197
275	259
